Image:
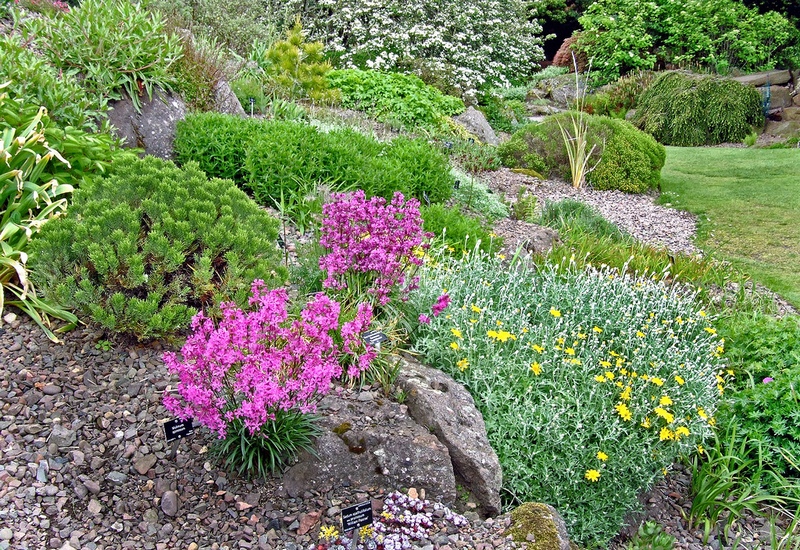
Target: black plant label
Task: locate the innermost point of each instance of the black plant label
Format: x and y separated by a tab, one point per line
356	516
178	429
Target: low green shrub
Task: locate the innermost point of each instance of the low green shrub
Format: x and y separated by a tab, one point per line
629	159
471	155
591	383
114	46
40	83
460	231
217	142
141	251
476	196
683	109
268	157
394	97
619	97
504	111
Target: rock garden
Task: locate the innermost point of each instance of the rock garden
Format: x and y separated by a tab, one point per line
322	277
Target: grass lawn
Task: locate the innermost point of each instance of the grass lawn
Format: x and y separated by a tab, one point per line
748	204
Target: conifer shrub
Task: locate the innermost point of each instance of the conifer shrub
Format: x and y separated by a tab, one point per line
683	109
629	159
143	250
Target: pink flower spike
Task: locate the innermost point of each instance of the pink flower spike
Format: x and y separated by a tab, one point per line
768	379
441	304
424	319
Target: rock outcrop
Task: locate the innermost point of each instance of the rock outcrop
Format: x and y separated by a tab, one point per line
446	408
540	526
372	442
475	123
153	127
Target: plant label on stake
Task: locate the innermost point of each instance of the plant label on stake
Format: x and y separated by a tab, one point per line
355	517
252	103
175	430
457	184
374	338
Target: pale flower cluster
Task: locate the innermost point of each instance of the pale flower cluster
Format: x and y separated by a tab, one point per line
470	43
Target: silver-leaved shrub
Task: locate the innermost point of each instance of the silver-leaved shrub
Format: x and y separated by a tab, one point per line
591	383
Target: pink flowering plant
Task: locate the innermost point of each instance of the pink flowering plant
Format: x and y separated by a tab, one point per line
372	245
253	378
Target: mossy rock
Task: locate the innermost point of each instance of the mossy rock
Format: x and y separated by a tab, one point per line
540	526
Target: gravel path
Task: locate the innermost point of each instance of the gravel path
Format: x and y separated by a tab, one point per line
636	214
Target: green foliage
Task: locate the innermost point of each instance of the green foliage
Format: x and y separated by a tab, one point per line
29	198
720	35
687	110
651	536
476	196
569	215
298	69
460	231
217	142
40	83
144	249
504	108
630	160
198	71
274	157
271	449
234	25
395	97
113	46
542	352
472	155
619	97
524	207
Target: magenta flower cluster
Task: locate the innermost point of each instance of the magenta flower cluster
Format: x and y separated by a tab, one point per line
263	360
372	239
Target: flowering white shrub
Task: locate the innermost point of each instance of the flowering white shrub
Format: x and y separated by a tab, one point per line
473	42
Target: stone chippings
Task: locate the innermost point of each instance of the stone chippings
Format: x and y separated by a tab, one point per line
84	464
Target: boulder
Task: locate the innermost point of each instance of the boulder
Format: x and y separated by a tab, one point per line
371	442
783	128
153	127
540	526
561	90
225	101
475	123
779	96
446	408
535	239
760	79
791	114
796	100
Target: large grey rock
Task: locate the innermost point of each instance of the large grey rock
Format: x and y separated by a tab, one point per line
527	237
372	443
760	79
61	436
447	409
153	128
539	525
562	90
779	96
475	123
782	128
225	101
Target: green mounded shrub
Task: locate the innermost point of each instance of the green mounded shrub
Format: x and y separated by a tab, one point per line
461	231
570	216
40	83
394	97
115	46
683	109
217	142
629	159
268	157
141	251
590	382
619	97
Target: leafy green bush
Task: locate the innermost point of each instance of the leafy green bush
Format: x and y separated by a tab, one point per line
29	198
630	160
112	45
686	110
394	97
476	196
217	142
461	231
141	251
270	157
590	382
40	83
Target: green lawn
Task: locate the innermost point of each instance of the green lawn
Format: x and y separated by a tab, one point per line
748	203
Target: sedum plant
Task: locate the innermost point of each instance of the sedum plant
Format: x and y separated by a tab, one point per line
29	198
144	249
591	383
